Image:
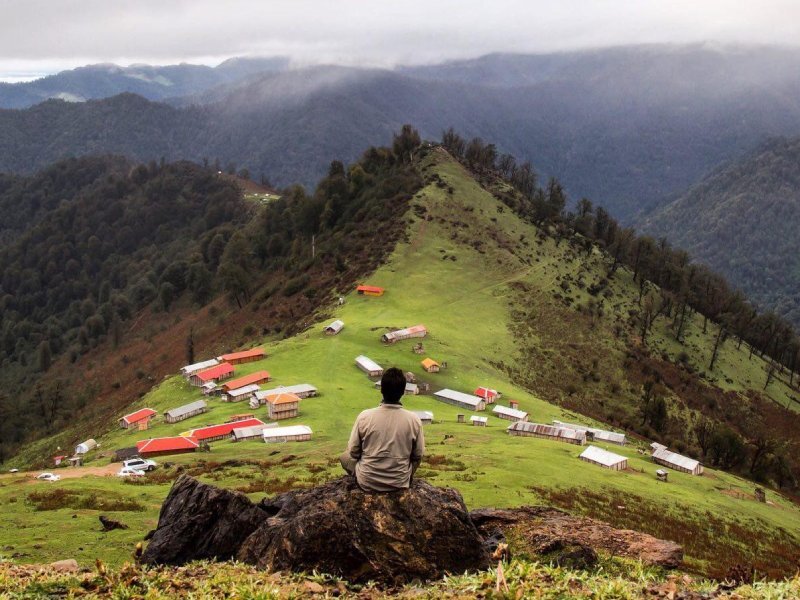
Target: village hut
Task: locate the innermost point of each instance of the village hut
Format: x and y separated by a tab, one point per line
509	414
86	446
254	432
559	434
240	382
121	454
215	374
222	431
283	406
135	419
676	461
487	394
479	421
604	458
245	356
425	416
594	434
430	365
301	390
190	370
210	389
460	399
417	331
369	290
334	327
241	393
57	460
240	417
369	366
293	433
166	446
181	413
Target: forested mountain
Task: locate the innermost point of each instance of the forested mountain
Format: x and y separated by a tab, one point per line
623	126
743	220
155	83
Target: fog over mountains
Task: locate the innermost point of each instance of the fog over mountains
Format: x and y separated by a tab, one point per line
624	126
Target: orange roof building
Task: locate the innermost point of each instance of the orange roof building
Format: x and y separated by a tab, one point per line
218	373
142	415
369	290
252	379
245	356
430	365
283	406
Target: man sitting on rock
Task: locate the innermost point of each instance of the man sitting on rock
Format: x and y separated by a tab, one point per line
387	443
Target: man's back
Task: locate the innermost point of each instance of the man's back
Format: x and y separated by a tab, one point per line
388	444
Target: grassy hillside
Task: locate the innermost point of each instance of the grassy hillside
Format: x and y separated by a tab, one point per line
487	286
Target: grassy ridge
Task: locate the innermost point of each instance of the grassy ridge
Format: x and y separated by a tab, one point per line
467	270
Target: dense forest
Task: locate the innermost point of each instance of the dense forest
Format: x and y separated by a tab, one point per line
743	220
121	241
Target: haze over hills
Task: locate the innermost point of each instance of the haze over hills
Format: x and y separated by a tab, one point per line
743	220
625	127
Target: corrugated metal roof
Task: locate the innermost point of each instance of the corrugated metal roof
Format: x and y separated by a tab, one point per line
215	372
275	432
166	444
603	457
424	414
449	394
206	364
252	431
283	398
243	391
476	418
368	364
253	353
186	408
302	388
549	430
486	393
222	429
601	435
235	384
337	325
139	415
416	330
511	412
674	458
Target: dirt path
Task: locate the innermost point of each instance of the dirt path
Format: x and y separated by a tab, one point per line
70	472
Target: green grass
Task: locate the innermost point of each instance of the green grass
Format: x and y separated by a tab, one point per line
468	306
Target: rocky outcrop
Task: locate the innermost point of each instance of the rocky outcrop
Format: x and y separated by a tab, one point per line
200	521
540	530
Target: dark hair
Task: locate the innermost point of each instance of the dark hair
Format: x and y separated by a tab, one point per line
393	385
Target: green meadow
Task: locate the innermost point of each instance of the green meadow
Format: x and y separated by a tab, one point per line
460	282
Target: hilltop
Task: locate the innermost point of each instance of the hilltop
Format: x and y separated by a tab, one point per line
528	310
742	220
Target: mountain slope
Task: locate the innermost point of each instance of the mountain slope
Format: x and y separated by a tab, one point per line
742	220
623	126
508	306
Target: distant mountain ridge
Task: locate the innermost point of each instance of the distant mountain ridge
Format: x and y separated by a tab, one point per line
743	221
625	127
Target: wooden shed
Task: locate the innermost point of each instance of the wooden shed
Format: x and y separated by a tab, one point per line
417	331
220	432
215	374
283	406
241	393
369	366
301	390
135	419
245	356
460	399
253	432
594	434
240	382
487	394
293	433
551	432
181	413
369	290
509	414
425	416
479	421
430	365
604	458
334	327
190	370
676	461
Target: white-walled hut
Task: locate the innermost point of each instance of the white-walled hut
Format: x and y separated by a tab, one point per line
604	458
180	413
86	446
479	421
551	432
293	433
417	331
425	416
369	366
301	390
596	435
241	393
460	399
676	461
190	370
253	432
509	414
334	328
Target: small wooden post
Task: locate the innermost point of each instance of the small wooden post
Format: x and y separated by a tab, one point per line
513	404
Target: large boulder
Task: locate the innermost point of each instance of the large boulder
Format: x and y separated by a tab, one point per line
419	533
545	531
200	521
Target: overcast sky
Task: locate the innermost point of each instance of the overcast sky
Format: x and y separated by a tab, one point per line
45	36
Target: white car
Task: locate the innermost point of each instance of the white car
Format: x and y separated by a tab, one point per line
48	477
129	472
140	464
13	470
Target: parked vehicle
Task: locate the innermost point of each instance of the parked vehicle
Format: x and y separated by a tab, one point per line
48	477
130	472
13	470
141	464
